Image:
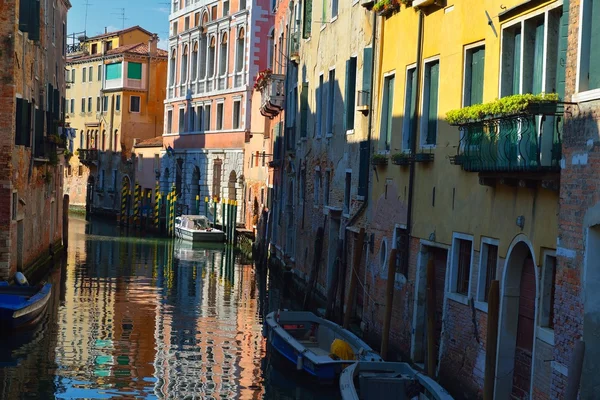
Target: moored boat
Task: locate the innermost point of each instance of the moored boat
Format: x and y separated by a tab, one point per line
388	380
196	228
315	345
22	306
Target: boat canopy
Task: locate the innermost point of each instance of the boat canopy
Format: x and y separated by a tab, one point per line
195	222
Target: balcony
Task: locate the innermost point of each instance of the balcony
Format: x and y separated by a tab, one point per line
517	149
295	47
272	88
88	156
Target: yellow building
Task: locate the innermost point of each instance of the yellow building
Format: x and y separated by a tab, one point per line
481	200
115	94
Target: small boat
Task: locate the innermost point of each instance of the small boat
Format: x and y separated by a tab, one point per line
313	344
196	228
22	306
388	380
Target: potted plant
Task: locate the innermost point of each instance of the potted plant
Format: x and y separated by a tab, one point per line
68	154
379	159
424	157
386	7
401	159
262	79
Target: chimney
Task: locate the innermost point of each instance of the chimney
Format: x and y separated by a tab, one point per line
153	44
105	30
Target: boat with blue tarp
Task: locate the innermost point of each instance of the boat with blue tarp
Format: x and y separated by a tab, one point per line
22	306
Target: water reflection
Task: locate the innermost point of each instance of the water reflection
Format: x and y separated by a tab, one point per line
152	318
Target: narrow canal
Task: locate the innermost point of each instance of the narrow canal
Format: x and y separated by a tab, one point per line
137	317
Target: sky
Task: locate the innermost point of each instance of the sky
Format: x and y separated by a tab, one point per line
152	15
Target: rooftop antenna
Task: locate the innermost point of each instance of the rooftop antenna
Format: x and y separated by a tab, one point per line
121	16
86	4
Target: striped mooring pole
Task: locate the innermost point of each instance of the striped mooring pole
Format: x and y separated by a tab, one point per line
136	205
123	203
173	214
197	204
223	215
167	214
206	207
157	210
214	212
234	216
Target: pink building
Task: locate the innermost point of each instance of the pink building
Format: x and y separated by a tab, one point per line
216	49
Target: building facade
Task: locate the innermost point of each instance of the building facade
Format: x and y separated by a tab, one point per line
115	96
215	49
31	162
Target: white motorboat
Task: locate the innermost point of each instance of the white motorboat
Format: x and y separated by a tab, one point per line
196	228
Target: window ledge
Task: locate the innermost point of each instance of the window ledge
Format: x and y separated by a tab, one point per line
333	19
481	306
350	132
588	95
459	298
546	335
323	25
328	135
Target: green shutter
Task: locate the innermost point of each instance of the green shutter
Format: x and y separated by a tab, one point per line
134	70
562	50
538	59
594	74
477	69
432	116
413	104
363	176
34	28
367	61
517	64
25	13
304	110
113	71
350	93
307	27
390	110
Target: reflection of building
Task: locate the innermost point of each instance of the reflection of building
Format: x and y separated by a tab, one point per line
215	49
32	107
115	95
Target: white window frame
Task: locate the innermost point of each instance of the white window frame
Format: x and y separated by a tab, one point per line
480	302
236	100
587	95
386	75
422	124
221	102
168	129
179	131
466	49
452	294
406	119
545	333
130	103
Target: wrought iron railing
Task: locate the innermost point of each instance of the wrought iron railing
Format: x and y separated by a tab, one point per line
273	95
88	156
526	142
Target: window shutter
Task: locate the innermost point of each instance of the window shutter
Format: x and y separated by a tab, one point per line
477	70
517	64
367	61
134	70
304	110
433	102
538	59
363	175
562	50
307	27
390	109
349	110
34	29
38	131
25	13
594	74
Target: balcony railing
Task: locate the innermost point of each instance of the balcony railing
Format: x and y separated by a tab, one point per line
88	156
239	79
272	95
222	82
295	46
529	142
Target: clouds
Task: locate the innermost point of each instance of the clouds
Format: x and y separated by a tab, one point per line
164	10
163	43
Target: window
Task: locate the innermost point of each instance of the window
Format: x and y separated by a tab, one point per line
186	23
304	110
135	104
172	66
410	100
462	253
317	186
196	19
169	121
223	56
202	60
225	8
73	76
184	65
473	82
211	59
91	74
548	288
105	104
72	106
334	9
134	70
236	114
589	59
181	120
83	105
94	48
118	103
242	5
15	202
429	122
330	99
350	92
387	114
319	95
219	116
487	267
98	104
108	46
326	188
80	170
194	67
83	74
347	189
81	140
207	117
114	71
239	52
174	28
198	120
99	72
324	10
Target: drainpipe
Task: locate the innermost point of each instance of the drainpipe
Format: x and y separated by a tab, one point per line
413	144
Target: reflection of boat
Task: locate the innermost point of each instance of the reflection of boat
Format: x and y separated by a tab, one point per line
194	251
308	342
21	306
382	380
196	228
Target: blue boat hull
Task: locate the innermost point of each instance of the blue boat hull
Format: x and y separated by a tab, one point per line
22	307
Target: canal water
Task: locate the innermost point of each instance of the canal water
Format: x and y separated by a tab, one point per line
136	317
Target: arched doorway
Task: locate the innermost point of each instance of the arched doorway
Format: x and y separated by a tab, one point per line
232	191
195	189
518	308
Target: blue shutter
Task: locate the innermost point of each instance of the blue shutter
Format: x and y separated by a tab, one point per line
562	50
517	64
390	81
367	61
432	116
538	58
594	74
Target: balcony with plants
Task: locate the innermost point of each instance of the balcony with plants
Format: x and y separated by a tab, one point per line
272	88
88	156
515	137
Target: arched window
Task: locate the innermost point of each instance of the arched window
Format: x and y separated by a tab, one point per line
202	61
270	45
210	64
223	55
172	67
239	51
194	71
184	64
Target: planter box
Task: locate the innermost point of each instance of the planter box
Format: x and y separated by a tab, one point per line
424	157
389	11
402	161
379	161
